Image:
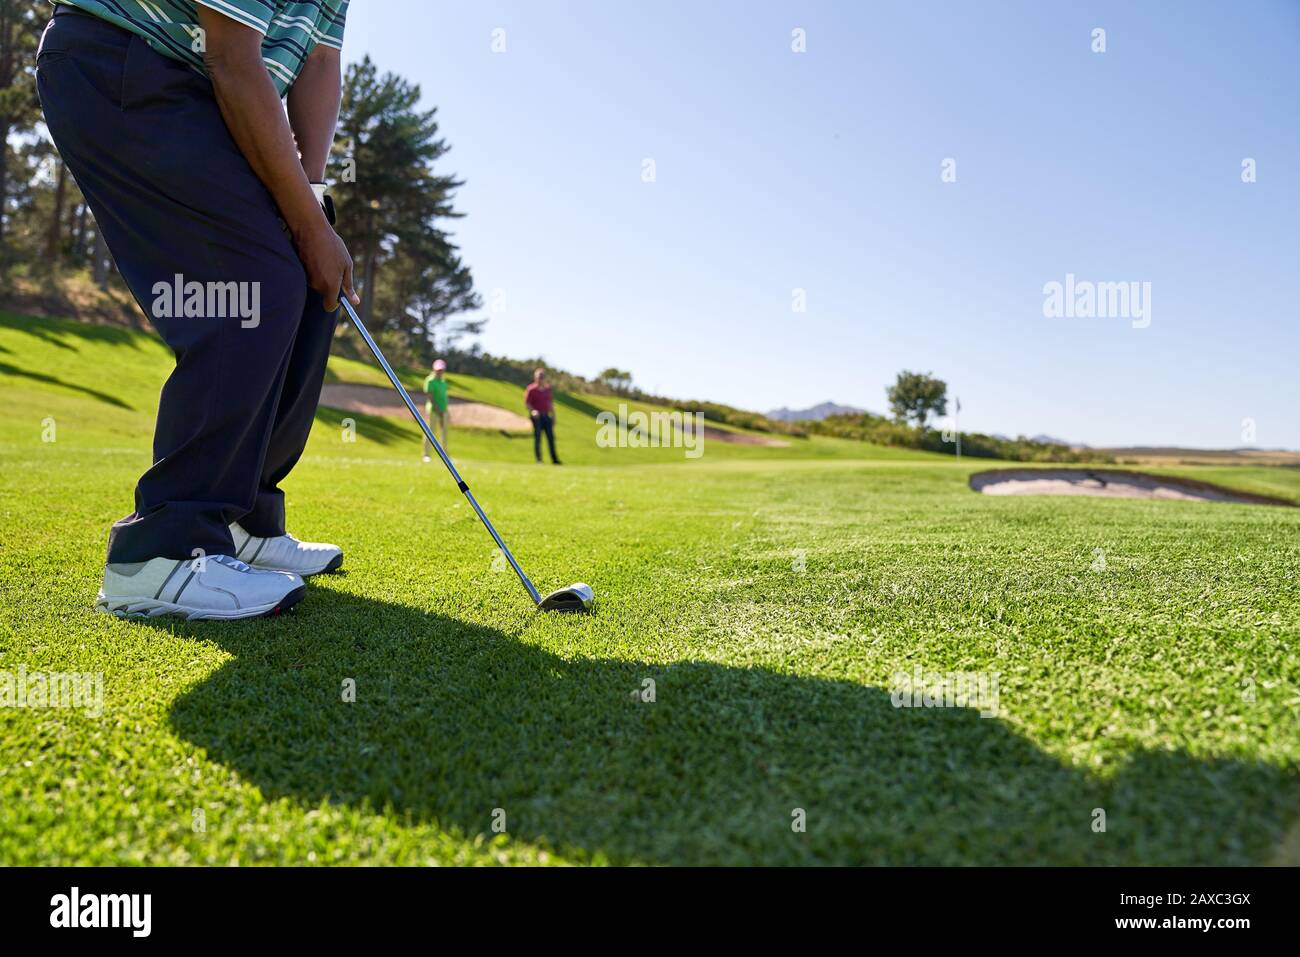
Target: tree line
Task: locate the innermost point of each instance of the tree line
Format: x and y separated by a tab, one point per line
393	208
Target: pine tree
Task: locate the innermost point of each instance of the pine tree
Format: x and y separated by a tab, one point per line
390	203
21	22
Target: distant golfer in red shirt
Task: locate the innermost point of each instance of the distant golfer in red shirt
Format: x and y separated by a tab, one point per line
537	397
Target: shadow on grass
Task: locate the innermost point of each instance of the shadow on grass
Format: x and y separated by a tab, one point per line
452	720
382	430
577	404
54	331
7	369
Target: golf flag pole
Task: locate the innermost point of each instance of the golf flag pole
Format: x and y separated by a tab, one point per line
428	434
956	421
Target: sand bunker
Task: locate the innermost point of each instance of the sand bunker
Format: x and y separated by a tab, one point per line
1108	483
712	434
382	400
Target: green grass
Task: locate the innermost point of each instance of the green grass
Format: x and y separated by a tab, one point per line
769	594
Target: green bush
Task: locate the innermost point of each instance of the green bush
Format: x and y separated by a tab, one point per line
866	427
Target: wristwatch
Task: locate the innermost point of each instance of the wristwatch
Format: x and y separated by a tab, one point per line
326	201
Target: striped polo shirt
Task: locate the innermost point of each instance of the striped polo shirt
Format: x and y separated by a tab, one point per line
290	28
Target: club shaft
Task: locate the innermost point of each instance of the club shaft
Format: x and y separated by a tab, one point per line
446	460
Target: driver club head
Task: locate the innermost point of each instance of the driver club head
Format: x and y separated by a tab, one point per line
577	597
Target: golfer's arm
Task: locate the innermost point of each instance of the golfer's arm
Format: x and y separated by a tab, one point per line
314	108
251	108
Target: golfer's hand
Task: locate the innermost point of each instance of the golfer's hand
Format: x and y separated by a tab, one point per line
328	265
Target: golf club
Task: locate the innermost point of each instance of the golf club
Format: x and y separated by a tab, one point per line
577	597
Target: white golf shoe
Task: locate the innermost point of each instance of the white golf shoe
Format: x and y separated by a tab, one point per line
284	553
216	587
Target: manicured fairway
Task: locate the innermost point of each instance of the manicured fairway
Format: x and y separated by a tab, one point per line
1145	654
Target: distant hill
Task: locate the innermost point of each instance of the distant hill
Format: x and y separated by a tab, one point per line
814	414
1159	455
1041	438
1052	440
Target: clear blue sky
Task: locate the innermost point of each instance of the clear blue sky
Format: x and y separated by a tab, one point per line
821	171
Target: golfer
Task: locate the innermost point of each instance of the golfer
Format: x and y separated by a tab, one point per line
169	116
435	408
541	408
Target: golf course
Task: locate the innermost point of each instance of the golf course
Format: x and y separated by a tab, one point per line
731	700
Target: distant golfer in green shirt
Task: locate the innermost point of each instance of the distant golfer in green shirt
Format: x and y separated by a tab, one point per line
435	409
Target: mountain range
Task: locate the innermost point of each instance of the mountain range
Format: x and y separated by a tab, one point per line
815	414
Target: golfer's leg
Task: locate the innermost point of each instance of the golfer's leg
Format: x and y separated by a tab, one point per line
174	197
550	437
537	437
442	427
294	415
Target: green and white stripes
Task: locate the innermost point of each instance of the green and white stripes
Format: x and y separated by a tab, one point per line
290	28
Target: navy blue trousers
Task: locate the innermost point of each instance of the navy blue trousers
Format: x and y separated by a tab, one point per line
143	137
544	424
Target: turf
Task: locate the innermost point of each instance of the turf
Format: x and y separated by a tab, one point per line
1144	654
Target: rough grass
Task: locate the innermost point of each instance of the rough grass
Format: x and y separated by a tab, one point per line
1144	653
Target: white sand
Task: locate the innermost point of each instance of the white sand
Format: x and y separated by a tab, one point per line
1103	483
